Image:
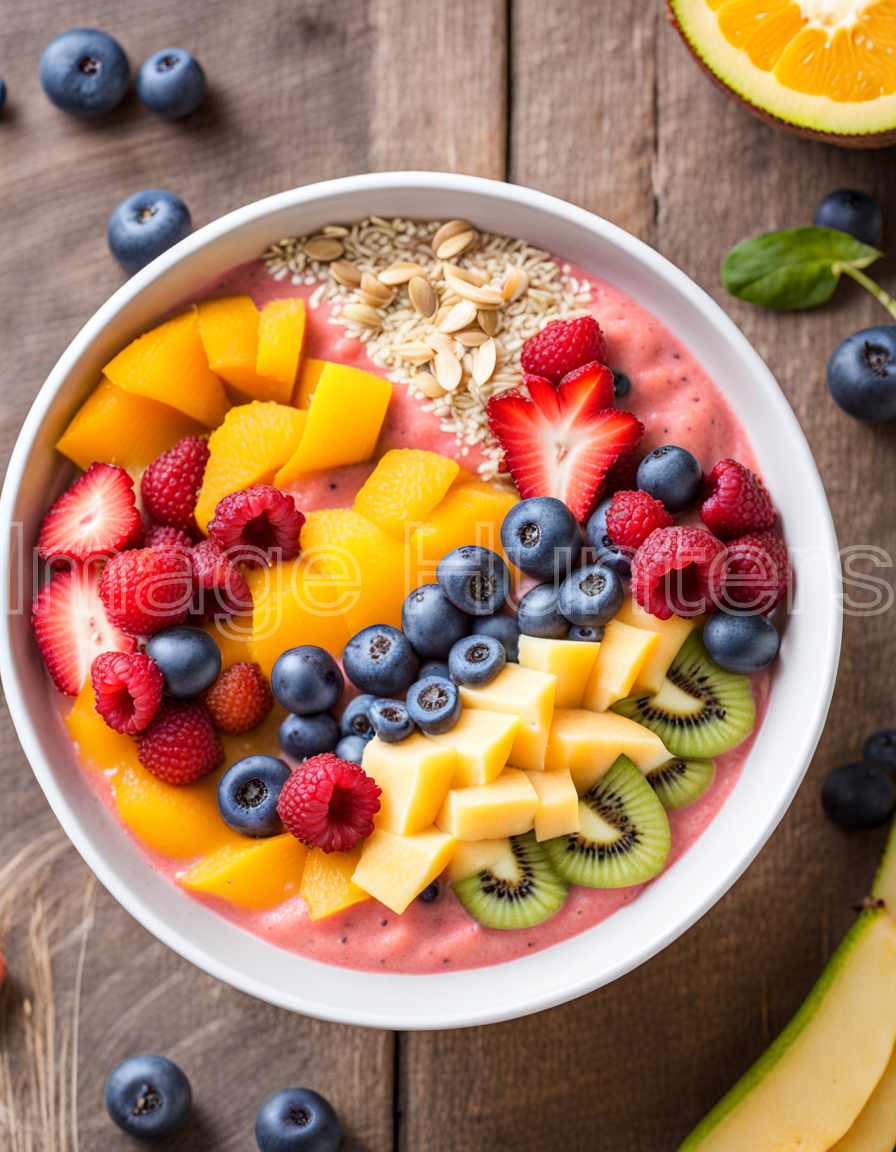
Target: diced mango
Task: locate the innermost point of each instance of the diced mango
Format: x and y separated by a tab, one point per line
309	374
522	692
672	634
482	741
472	856
414	775
403	489
588	743
470	513
255	874
344	421
169	364
281	337
228	326
395	869
327	882
571	661
506	806
558	804
622	654
119	427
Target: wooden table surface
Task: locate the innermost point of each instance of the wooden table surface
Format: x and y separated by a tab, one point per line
592	100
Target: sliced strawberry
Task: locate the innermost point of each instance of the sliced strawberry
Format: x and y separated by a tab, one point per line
71	626
562	442
96	517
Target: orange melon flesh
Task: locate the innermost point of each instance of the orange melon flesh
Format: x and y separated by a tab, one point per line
281	337
309	374
327	882
229	327
403	489
251	874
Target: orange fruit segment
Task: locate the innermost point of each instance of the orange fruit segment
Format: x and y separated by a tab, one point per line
309	374
470	513
251	874
281	337
404	488
229	327
169	364
327	882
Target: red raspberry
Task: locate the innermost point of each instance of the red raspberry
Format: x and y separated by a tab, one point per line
257	525
679	571
128	689
180	744
219	588
632	516
240	699
735	501
329	803
759	572
171	483
167	536
562	346
146	590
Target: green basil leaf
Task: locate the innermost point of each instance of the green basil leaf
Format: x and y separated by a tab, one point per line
796	268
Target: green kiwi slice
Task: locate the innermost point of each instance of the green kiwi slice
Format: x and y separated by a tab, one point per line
623	837
700	710
517	891
681	782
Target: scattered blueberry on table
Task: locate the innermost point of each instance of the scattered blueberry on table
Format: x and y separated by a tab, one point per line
859	796
146	224
297	1120
862	374
84	72
171	83
880	749
855	213
148	1097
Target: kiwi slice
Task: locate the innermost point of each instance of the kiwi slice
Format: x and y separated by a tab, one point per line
518	890
700	710
623	836
681	782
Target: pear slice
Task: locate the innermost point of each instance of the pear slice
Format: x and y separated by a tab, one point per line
874	1129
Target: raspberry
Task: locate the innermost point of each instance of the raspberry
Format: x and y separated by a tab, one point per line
759	572
562	346
632	516
146	590
167	536
128	689
171	483
180	744
679	571
240	699
219	588
735	501
257	525
329	803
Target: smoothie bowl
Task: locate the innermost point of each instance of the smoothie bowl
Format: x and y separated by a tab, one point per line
392	600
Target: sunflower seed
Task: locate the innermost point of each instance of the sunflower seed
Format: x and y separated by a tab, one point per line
455	245
484	360
448	370
323	249
401	272
448	231
346	274
423	296
460	316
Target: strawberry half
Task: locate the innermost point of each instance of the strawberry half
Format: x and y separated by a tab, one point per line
71	626
96	517
563	441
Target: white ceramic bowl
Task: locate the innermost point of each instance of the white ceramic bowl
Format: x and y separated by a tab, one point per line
803	676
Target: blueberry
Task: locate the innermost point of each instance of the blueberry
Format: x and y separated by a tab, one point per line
503	628
542	538
145	225
380	659
671	475
880	749
741	642
171	83
476	659
621	384
2	91
434	705
538	615
306	680
356	717
148	1097
189	658
433	668
591	595
248	793
430	892
862	374
84	72
474	579
586	635
858	796
352	748
605	551
391	720
297	1120
432	623
855	213
304	736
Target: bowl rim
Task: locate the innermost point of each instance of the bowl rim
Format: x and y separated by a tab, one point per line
441	1014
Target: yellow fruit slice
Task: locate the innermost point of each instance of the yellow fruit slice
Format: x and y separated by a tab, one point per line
404	488
327	882
251	874
281	337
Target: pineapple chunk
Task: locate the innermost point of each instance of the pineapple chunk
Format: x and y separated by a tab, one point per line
472	856
327	882
558	804
587	743
571	661
622	654
415	775
255	874
394	869
482	741
672	634
522	692
505	806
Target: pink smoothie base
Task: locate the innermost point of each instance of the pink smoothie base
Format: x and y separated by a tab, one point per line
678	404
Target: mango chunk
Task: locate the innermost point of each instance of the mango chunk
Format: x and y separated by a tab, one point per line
571	661
169	364
622	654
344	421
482	741
327	882
522	692
395	869
558	804
119	427
255	874
309	374
506	806
281	337
472	856
403	489
470	513
587	744
415	775
672	634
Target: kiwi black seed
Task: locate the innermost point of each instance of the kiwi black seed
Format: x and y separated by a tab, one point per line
679	783
517	891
